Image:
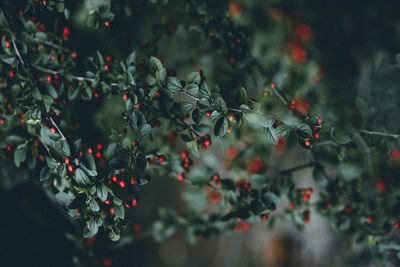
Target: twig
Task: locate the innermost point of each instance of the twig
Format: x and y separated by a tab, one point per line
297	168
380	133
17	52
281	97
53	45
58	129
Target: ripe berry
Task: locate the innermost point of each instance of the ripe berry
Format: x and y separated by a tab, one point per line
7	44
90	150
134	202
99	146
184	154
11	74
157	94
162	158
264	217
181	176
98	155
114	179
371	219
317	134
2	121
122	184
380	186
107	23
125	97
307	143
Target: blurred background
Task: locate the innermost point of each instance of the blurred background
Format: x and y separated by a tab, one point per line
335	52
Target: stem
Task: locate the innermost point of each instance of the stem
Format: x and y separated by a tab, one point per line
281	97
380	133
17	52
191	96
297	168
190	127
58	129
53	45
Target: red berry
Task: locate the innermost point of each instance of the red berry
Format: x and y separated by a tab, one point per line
157	94
7	44
99	146
2	121
162	158
109	59
184	154
133	180
11	74
90	150
371	219
348	209
122	184
125	97
181	177
98	155
317	134
74	55
380	186
66	33
134	202
114	179
264	217
107	23
307	143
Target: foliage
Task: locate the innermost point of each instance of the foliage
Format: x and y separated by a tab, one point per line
44	83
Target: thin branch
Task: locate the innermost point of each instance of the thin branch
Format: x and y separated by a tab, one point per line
380	133
297	168
53	45
190	127
281	97
17	52
58	129
191	96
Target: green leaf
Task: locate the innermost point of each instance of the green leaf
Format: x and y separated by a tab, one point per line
131	59
20	154
110	151
193	77
81	177
340	137
119	211
283	131
205	90
93	205
117	164
241	96
192	88
197	115
271	135
155	64
220	105
145	129
303	130
221	127
91	228
102	192
186	107
64	199
174	85
114	233
141	161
